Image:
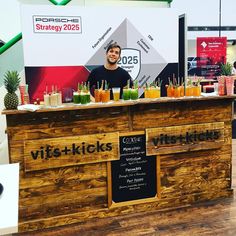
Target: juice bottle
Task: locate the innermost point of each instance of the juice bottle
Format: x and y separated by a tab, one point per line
97	95
196	91
181	91
189	91
177	92
83	98
76	97
147	93
158	92
152	92
126	94
26	95
155	92
116	94
88	96
105	95
170	91
134	94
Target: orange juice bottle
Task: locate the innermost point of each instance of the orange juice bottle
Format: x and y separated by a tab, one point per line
97	95
176	91
151	92
170	91
147	93
189	91
156	92
196	91
105	95
181	91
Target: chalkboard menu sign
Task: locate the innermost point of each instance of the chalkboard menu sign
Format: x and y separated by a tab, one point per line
134	175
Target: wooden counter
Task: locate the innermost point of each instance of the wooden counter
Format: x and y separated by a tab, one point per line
174	152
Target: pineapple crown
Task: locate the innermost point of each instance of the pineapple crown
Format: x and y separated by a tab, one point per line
11	81
226	69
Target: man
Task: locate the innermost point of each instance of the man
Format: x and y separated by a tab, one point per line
110	72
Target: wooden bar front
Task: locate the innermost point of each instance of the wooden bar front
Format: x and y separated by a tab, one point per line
68	190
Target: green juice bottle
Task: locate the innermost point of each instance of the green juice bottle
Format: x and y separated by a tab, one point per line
126	93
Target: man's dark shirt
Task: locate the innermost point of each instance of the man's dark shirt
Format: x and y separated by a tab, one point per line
115	78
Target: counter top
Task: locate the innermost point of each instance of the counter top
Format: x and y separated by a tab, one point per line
121	103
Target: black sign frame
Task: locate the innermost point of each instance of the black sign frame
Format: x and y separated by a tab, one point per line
135	178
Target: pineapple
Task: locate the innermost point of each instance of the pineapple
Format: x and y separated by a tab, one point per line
11	82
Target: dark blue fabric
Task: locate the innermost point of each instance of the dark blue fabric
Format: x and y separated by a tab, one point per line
114	78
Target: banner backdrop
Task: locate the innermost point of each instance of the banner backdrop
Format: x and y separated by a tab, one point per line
63	44
211	53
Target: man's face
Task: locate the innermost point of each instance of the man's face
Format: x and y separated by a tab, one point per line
113	55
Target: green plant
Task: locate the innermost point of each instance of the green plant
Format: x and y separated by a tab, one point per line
226	69
11	83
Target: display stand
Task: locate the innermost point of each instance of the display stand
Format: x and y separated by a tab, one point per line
67	157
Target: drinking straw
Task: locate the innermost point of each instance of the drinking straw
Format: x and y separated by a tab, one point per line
174	81
102	85
98	85
88	86
106	85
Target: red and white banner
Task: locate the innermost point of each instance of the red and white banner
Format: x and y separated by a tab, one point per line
211	53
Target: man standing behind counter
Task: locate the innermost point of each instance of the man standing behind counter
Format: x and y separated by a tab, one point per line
110	72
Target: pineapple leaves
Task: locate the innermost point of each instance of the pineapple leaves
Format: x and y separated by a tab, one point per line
226	69
11	81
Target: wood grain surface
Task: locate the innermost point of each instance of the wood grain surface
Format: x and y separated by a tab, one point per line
41	154
216	217
70	194
184	138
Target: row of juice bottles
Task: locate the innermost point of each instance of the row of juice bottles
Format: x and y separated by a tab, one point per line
53	98
153	90
103	93
178	89
82	95
190	91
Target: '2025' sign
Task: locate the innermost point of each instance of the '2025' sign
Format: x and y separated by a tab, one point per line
130	60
